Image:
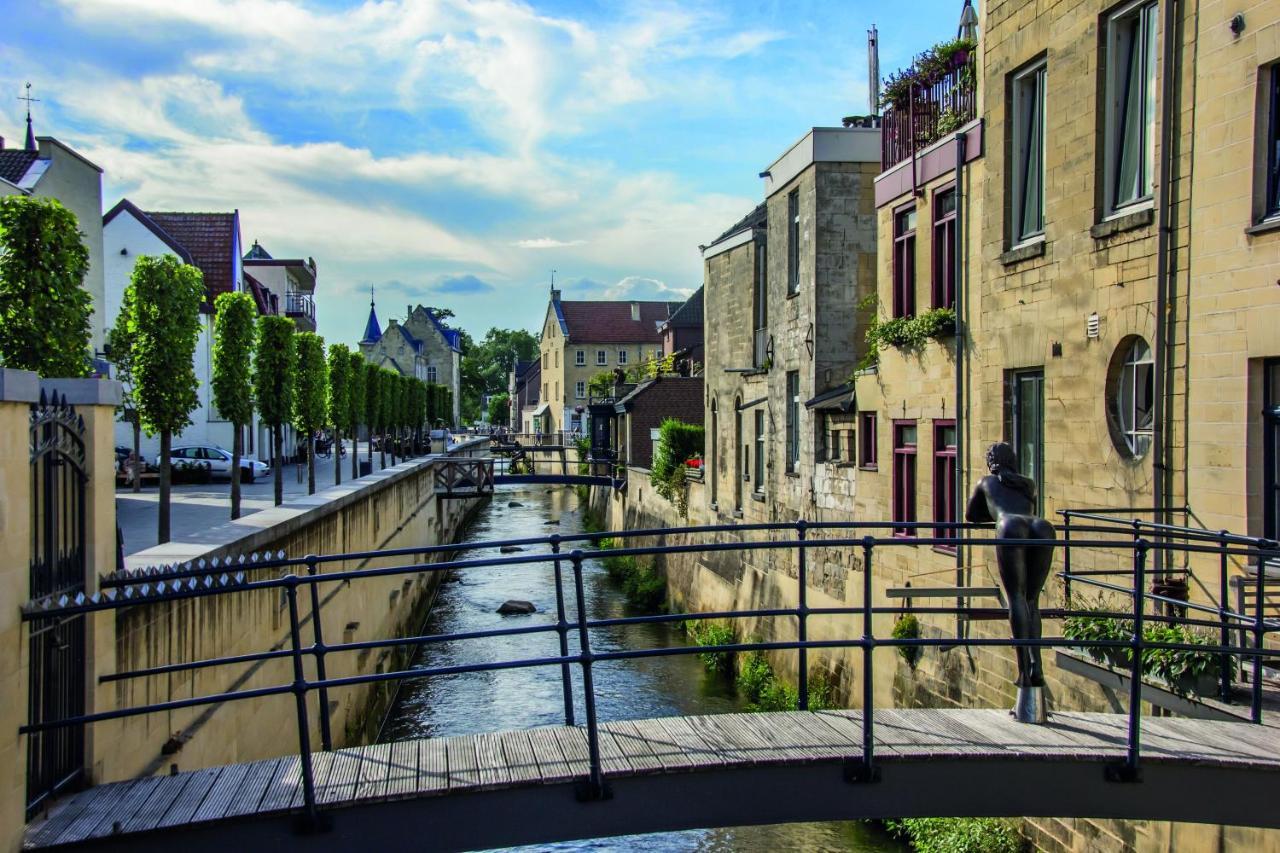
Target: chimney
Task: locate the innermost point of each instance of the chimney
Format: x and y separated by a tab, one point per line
635	312
873	69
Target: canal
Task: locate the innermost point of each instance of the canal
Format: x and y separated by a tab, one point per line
525	698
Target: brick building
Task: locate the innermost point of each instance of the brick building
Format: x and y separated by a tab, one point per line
640	412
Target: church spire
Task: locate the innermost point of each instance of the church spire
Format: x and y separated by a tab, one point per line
31	136
372	330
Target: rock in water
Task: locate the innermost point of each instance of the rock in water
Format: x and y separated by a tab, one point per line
554	521
514	504
510	549
517	608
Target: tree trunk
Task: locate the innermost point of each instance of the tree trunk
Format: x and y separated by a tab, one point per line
136	462
355	451
393	447
277	458
162	532
237	448
311	462
337	456
382	449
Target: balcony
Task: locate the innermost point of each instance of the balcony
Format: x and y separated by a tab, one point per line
302	308
931	99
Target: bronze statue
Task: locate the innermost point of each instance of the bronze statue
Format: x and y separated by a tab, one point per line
1008	498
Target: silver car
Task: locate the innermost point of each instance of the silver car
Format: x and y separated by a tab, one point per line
217	461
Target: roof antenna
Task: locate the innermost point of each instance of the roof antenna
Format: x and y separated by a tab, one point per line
371	296
31	137
553	279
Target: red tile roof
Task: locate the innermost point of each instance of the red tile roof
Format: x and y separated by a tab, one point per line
210	238
611	323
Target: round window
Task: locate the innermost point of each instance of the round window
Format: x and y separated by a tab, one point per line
1131	397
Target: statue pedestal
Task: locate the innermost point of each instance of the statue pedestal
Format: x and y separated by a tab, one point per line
1030	706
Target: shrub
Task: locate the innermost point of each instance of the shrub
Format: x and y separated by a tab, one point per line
713	634
906	333
644	586
764	691
678	442
908	628
958	834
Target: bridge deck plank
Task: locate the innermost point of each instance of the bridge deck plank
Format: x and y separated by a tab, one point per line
162	797
573	746
517	754
252	787
549	755
129	805
72	823
666	749
635	747
490	761
193	796
375	772
433	766
219	798
754	748
402	770
463	770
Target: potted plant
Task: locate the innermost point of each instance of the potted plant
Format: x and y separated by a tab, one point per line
908	628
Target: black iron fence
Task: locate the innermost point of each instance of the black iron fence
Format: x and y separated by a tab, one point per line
304	577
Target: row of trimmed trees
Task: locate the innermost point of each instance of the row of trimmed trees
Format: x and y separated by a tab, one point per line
259	363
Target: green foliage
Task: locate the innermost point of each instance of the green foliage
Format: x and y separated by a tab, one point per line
274	364
652	369
908	628
486	365
373	396
764	691
644	586
120	345
958	834
340	387
499	408
310	384
165	326
234	331
926	69
713	634
601	384
44	310
678	442
583	444
355	392
908	333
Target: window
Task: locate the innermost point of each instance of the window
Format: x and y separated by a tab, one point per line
602	357
557	358
944	477
1027	155
761	307
904	262
713	452
580	358
544	361
1272	197
944	248
622	356
793	242
741	459
1024	423
759	474
1130	117
832	439
1131	397
1271	448
580	390
557	390
793	420
904	475
657	355
431	373
867	440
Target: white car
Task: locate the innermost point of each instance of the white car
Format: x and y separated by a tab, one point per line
218	461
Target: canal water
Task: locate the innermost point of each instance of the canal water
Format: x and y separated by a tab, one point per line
524	698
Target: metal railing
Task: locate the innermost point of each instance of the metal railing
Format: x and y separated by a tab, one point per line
299	305
306	576
928	114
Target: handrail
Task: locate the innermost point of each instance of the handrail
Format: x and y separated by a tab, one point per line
189	582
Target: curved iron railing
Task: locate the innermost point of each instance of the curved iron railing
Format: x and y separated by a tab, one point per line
189	581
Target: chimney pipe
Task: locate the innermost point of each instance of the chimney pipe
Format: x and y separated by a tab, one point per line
873	70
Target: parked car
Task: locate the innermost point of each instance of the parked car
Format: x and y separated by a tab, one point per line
217	461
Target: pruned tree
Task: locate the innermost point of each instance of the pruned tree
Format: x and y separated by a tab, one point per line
355	402
339	403
165	326
273	366
373	407
234	331
44	310
310	396
120	351
390	384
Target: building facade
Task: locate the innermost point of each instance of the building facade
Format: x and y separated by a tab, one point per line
421	347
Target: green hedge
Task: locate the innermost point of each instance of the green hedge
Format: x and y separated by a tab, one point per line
958	834
678	442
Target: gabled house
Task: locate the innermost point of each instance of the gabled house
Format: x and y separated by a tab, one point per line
421	347
290	284
210	242
682	333
523	387
47	168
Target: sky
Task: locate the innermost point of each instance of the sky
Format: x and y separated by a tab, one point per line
446	152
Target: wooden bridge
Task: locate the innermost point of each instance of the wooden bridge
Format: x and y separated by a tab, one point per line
520	787
519	465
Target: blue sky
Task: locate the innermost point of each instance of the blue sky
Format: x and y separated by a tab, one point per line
452	152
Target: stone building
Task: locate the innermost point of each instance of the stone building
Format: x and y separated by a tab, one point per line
583	338
524	383
421	347
683	331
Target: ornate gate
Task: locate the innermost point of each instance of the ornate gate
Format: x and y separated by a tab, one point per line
55	758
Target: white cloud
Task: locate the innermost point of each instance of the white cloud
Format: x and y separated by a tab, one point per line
546	243
639	287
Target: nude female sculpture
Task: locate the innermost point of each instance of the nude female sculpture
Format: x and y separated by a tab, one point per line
1008	498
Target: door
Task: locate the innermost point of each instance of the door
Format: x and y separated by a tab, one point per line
1024	424
1271	448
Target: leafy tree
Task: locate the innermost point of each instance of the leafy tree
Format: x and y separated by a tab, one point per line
165	325
601	384
233	338
373	406
273	366
44	310
339	402
310	396
388	388
355	405
120	347
498	408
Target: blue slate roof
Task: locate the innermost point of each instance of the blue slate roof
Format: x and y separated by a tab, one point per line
372	331
451	336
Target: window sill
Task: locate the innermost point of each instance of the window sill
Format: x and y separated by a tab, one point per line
758	497
737	513
793	294
1117	224
949	550
868	467
795	475
1266	226
1024	252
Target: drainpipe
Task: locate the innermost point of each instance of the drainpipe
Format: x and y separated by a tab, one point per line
957	258
1163	273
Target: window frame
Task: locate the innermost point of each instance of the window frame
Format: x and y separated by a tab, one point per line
758	422
760	308
1125	380
622	356
580	390
1021	136
1271	177
867	448
944	250
432	374
602	358
904	260
1271	448
944	480
1113	114
792	402
580	358
793	242
1013	403
905	477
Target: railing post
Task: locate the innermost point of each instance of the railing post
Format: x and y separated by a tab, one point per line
312	818
1128	770
865	770
317	632
1259	637
594	787
802	612
1224	638
562	629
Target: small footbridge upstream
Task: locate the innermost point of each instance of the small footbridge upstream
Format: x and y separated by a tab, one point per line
593	777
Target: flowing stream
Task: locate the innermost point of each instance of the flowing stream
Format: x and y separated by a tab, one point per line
525	698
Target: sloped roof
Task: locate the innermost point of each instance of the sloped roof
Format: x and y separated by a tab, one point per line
611	322
451	336
14	163
210	238
688	315
258	293
372	331
257	253
757	218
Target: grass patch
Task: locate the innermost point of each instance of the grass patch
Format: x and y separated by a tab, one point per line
764	691
958	834
644	586
713	634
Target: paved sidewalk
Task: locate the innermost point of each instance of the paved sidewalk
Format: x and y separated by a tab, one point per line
197	507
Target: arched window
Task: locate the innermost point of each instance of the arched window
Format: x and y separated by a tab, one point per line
713	469
1131	397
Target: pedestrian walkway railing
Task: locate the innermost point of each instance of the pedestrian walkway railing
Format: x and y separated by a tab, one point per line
299	581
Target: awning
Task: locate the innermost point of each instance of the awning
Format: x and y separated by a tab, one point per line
542	410
838	399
